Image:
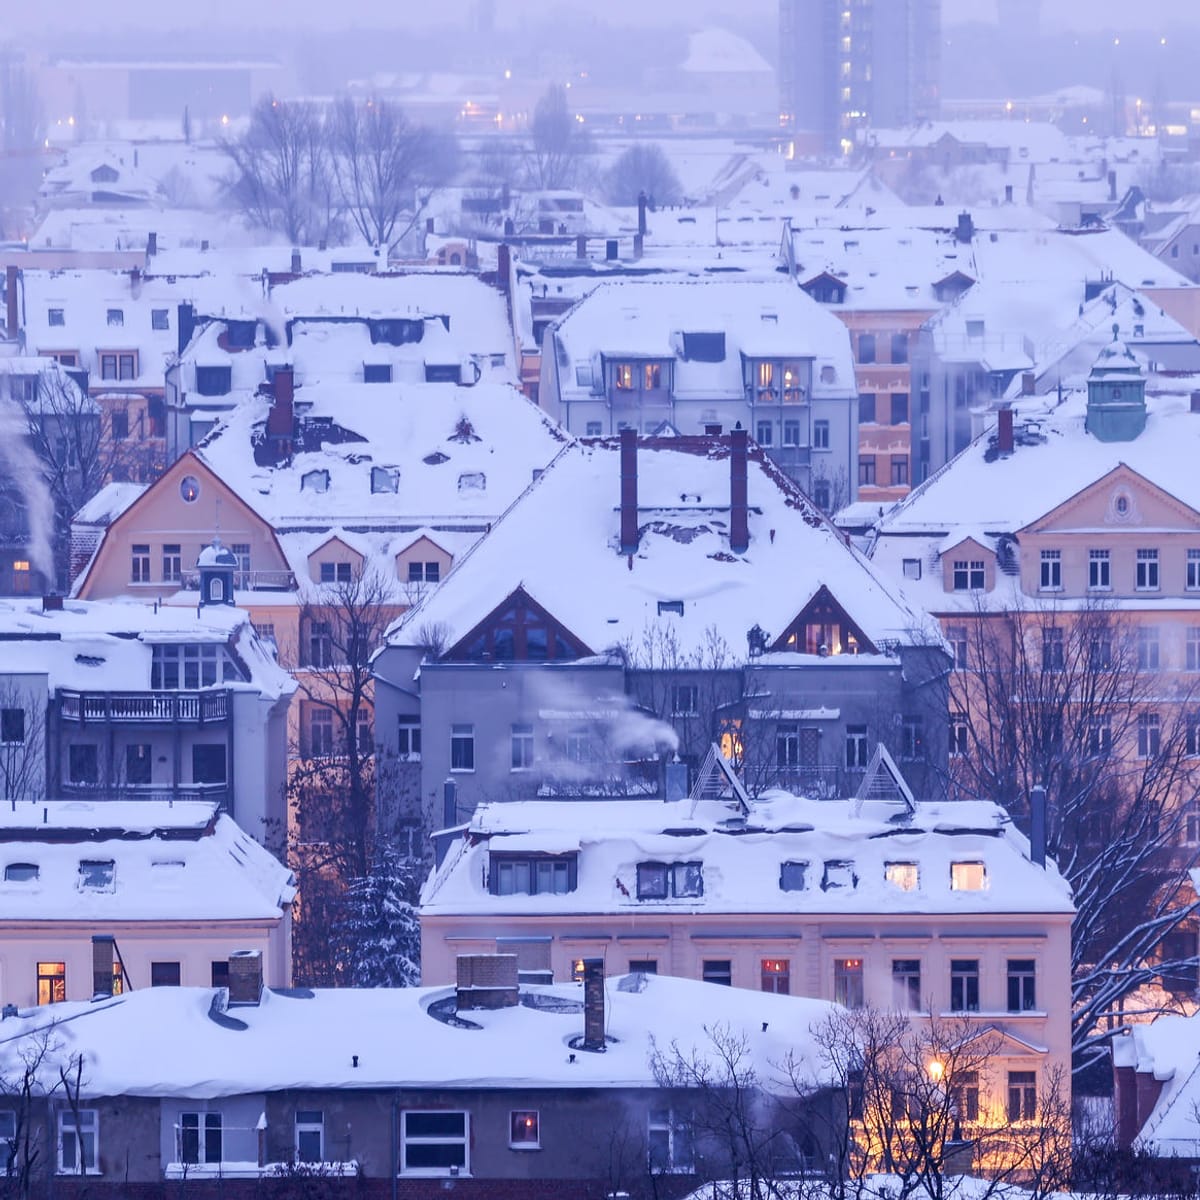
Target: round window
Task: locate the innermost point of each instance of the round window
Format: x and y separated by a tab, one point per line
189	488
1122	504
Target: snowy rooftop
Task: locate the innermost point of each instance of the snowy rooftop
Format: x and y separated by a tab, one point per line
180	1041
1169	1050
180	863
683	556
844	848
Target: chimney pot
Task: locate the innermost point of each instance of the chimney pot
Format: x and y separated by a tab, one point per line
629	493
1004	431
245	977
52	602
739	503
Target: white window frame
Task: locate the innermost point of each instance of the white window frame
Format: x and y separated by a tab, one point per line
1146	577
464	733
75	1136
1051	573
1099	571
1192	579
464	1141
680	1156
525	1143
410	726
521	752
309	1126
202	1132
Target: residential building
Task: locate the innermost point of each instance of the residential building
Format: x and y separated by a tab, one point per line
150	894
106	702
536	1092
692	355
941	911
845	65
642	599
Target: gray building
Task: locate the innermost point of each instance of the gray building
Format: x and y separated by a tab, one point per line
641	601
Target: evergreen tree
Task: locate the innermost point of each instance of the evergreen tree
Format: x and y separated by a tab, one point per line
378	935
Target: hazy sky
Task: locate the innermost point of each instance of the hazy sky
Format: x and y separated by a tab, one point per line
77	15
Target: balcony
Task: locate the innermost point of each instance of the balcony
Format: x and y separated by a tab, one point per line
208	793
158	708
248	581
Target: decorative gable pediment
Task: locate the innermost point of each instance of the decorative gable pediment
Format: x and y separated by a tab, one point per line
1122	499
518	630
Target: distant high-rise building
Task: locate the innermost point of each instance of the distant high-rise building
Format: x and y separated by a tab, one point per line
847	64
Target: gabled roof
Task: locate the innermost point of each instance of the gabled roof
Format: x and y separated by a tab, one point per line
883	780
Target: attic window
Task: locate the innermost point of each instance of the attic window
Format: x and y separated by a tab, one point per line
20	872
377	372
214	381
839	874
472	481
903	875
583	376
828	374
116	318
975	329
670	608
97	874
56	316
704	347
667	881
384	479
792	876
912	568
314	481
968	877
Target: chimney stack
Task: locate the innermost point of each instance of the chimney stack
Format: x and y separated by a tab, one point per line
643	204
1008	193
1112	185
965	232
739	505
486	981
1004	431
629	492
581	246
52	602
245	977
13	322
297	262
151	244
104	955
639	245
185	326
593	1004
504	267
281	417
1037	825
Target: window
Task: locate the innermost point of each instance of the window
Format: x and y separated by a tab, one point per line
51	982
116	318
208	762
791	876
8	1137
764	432
1022	981
462	748
866	408
1099	571
20	872
899	352
848	982
666	881
964	985
189	665
377	372
12	726
434	1143
956	635
856	747
118	366
912	568
314	481
200	1137
1099	736
159	319
912	738
1192	649
1147	648
685	700
77	1141
969	575
866	347
903	875
83	763
408	739
1193	571
172	562
1051	576
866	470
139	563
384	480
320	731
792	433
1149	735
593	429
717	970
777	976
906	984
56	316
623	377
652	377
1022	1095
1191	825
214	381
787	745
960	734
220	973
899	408
900	471
139	763
310	1135
336	572
1052	648
968	877
670	608
643	966
838	874
320	644
522	747
822	495
164	974
1146	576
547	875
21	577
820	435
668	1143
964	1094
119	422
523	1131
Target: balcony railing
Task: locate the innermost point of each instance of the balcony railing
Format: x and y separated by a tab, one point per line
196	708
248	581
211	793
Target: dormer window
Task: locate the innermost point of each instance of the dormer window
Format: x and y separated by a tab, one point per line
384	480
839	875
968	877
336	572
792	876
670	608
670	881
314	481
214	381
903	875
116	318
532	874
97	875
969	575
21	872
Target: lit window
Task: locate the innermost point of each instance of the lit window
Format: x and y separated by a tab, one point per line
1022	1095
51	982
968	877
848	982
777	976
523	1131
903	875
906	984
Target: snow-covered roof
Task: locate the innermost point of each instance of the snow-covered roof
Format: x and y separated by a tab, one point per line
720	52
578	576
1034	141
844	844
182	1042
97	646
1168	1049
185	862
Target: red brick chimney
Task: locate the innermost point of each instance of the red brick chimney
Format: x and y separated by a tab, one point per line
12	323
486	981
281	418
739	502
629	492
593	1004
245	977
1004	431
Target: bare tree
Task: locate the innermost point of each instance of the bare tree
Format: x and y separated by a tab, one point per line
643	169
559	146
283	176
387	167
1077	703
22	744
